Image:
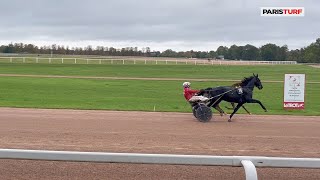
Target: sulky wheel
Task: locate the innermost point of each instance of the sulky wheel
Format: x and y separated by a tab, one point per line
194	109
203	113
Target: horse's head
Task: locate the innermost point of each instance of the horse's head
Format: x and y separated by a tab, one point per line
252	81
257	82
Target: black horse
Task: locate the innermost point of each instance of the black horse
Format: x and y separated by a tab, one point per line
239	85
230	94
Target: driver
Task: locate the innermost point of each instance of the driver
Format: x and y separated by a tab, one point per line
191	95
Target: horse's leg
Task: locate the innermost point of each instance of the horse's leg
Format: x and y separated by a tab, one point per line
257	101
210	104
233	106
215	104
217	107
246	110
235	110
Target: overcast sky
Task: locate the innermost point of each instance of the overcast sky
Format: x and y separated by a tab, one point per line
158	24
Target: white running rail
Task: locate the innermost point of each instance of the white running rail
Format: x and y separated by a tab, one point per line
155	61
248	162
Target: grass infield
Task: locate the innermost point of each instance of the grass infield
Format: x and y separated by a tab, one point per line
143	95
266	72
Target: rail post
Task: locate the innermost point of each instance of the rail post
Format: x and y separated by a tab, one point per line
250	170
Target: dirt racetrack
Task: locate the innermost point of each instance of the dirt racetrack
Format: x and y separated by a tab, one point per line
153	132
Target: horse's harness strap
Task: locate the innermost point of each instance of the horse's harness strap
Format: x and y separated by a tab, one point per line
221	94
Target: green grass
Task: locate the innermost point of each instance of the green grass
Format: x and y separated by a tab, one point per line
142	95
266	72
131	95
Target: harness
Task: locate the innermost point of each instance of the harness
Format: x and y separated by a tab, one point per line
221	95
239	88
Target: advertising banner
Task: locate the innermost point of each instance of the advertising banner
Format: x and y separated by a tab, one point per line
294	91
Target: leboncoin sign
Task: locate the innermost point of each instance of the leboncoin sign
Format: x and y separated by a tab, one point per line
294	87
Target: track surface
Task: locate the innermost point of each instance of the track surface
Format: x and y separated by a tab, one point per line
153	132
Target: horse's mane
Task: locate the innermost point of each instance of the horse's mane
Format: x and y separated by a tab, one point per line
243	82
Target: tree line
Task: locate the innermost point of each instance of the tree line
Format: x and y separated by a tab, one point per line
267	52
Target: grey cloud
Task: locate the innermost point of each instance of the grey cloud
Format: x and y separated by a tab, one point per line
187	21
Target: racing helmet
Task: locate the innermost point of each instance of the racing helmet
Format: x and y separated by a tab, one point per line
186	84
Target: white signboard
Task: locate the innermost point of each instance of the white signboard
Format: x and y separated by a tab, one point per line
294	88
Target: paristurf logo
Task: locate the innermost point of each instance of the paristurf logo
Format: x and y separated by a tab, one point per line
282	11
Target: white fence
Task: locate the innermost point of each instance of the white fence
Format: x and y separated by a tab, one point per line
248	162
136	61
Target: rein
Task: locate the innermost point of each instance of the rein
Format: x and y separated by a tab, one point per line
221	95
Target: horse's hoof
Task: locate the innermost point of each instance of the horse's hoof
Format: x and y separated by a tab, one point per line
221	114
250	113
229	120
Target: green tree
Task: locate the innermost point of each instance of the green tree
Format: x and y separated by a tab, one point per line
296	55
234	52
2	48
223	51
212	54
312	52
250	52
282	53
269	52
9	49
169	53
